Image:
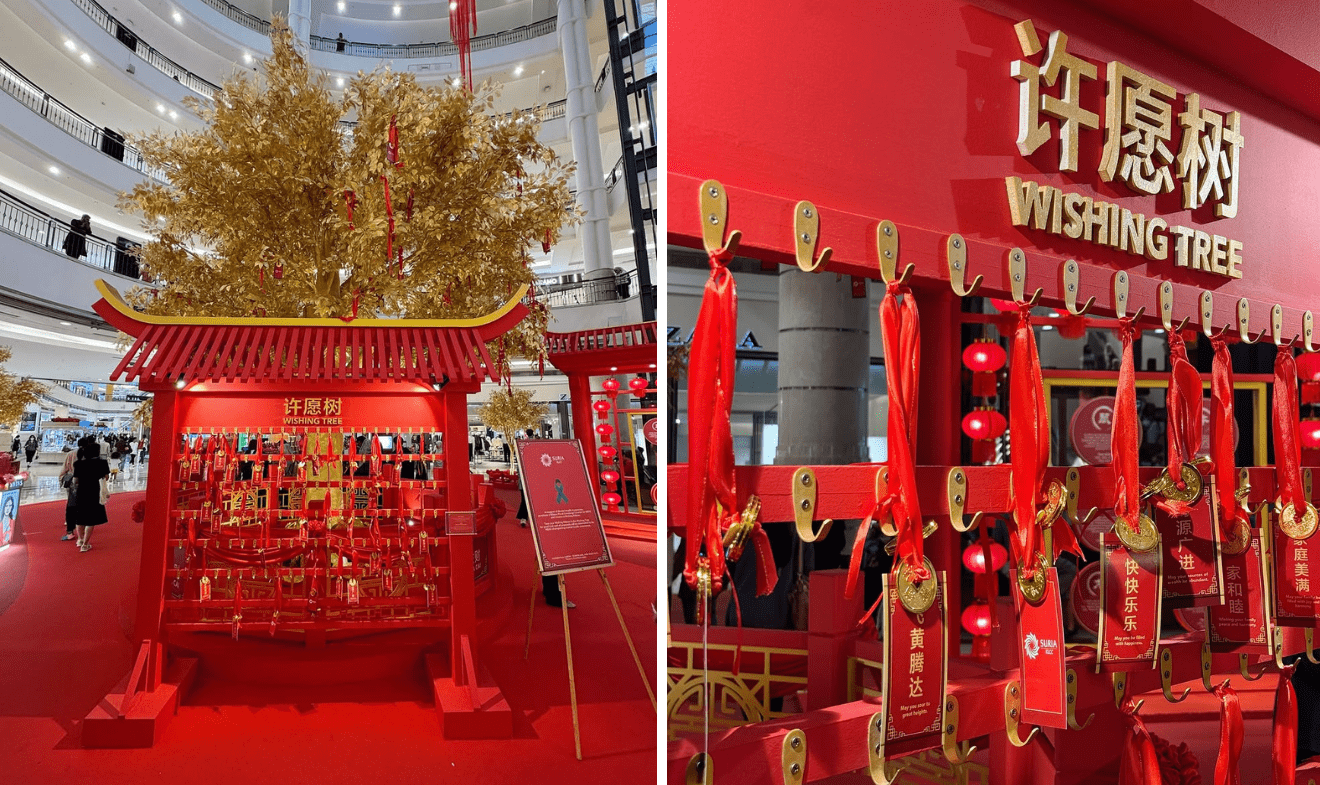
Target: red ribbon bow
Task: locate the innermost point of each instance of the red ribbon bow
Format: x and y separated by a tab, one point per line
1285	729
1140	762
1184	416
1230	736
1287	449
1221	433
1125	438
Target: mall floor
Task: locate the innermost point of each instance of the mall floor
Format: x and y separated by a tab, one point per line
65	618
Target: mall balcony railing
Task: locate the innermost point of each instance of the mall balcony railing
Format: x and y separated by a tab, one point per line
618	288
386	51
72	123
144	50
27	222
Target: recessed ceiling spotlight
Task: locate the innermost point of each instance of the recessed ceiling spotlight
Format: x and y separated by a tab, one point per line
174	115
54	170
458	81
66	324
398	9
247	57
339	81
518	71
160	108
178	17
342	6
86	58
70	45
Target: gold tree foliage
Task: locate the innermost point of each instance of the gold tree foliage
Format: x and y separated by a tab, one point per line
678	360
15	393
142	414
510	411
262	185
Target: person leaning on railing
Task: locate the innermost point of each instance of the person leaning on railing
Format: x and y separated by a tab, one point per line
75	242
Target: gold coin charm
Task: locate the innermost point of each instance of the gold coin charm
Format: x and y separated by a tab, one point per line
1192	493
916	597
1237	538
1298	527
1033	589
1144	539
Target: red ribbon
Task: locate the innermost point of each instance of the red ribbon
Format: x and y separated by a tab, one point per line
389	214
900	330
1030	436
1140	762
1285	727
462	26
1221	432
350	199
392	146
1230	736
1287	449
1184	416
712	495
1125	438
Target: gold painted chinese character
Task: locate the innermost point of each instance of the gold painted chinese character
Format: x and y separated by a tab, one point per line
312	407
1066	108
1130	604
1208	157
293	407
918	638
1131	568
1187	561
1302	568
1304	584
915	689
333	406
917	661
1129	623
1130	585
1138	123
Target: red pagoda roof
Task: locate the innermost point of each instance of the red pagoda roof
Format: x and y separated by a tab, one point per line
628	347
217	349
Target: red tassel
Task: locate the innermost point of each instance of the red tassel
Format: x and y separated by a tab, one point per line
392	147
261	277
356	294
350	199
545	244
400	254
279	270
1285	730
407	215
985	384
462	26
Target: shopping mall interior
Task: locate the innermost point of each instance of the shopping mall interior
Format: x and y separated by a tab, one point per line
80	82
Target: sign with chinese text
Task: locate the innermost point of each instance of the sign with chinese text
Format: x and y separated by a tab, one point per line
565	514
1144	122
1040	644
1295	593
1190	544
313	411
1242	619
915	672
1130	620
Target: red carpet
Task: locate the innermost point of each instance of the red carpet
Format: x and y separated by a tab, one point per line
64	645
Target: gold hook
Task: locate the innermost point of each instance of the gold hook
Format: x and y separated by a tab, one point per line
804	506
1308	324
1244	323
954	752
715	216
957	496
700	769
1121	297
806	232
1166	309
1071	284
1071	481
1310	644
1277	646
1072	703
1013	715
1120	687
1276	326
1207	313
881	773
1166	677
793	757
1243	665
886	247
1017	277
956	253
1205	668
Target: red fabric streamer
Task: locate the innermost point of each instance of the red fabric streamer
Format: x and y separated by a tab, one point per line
900	327
408	208
1184	416
1285	727
392	145
350	199
357	294
1030	436
1124	437
1230	736
1140	761
712	495
462	26
1221	432
545	244
1287	447
389	214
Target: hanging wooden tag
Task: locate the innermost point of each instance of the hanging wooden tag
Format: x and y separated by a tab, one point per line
916	670
1040	645
1296	591
1193	572
352	591
1243	618
1130	619
204	589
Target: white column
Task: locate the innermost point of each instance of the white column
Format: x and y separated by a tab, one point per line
300	22
585	135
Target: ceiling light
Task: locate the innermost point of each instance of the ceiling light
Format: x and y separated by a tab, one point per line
178	17
458	81
339	81
54	170
70	45
86	58
160	108
66	324
180	383
398	9
174	115
453	6
518	71
342	6
247	58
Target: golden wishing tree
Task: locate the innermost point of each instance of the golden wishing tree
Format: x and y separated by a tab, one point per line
424	209
512	410
15	393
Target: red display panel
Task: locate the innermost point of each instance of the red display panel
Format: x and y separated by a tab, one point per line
1242	619
1295	587
1192	568
565	516
1130	621
1040	628
915	672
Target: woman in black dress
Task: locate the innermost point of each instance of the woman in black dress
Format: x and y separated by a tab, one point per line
88	511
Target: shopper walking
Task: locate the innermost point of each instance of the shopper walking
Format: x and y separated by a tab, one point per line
67	482
30	448
16	447
90	473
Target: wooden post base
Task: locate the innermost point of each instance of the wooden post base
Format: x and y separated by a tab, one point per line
489	718
111	725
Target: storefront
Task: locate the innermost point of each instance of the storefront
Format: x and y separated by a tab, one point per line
1069	200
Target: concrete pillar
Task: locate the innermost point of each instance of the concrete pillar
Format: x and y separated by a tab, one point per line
584	132
824	351
300	22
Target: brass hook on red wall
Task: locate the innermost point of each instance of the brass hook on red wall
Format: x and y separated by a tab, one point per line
886	247
804	506
1310	646
806	233
1244	323
1017	279
957	497
1071	481
1308	324
1072	276
1013	715
1121	297
1072	703
881	771
955	752
714	219
956	252
1206	663
1166	677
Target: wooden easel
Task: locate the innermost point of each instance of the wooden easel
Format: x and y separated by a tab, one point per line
568	647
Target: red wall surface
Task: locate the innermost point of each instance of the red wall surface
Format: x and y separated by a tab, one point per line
908	112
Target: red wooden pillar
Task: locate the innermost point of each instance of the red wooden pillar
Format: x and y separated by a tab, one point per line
458	488
939	439
831	630
584	425
155	528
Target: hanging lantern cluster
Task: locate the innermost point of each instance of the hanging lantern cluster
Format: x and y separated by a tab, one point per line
605	409
984	358
983	559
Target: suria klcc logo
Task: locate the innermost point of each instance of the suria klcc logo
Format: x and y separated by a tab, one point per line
545	460
1032	646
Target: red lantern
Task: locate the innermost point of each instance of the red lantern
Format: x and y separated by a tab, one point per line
984	356
1308	367
610	476
604	429
602	408
973	557
1309	434
610	385
611	498
984	424
976	618
638	385
607	452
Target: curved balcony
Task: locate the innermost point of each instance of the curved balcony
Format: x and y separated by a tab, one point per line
144	50
22	220
72	123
